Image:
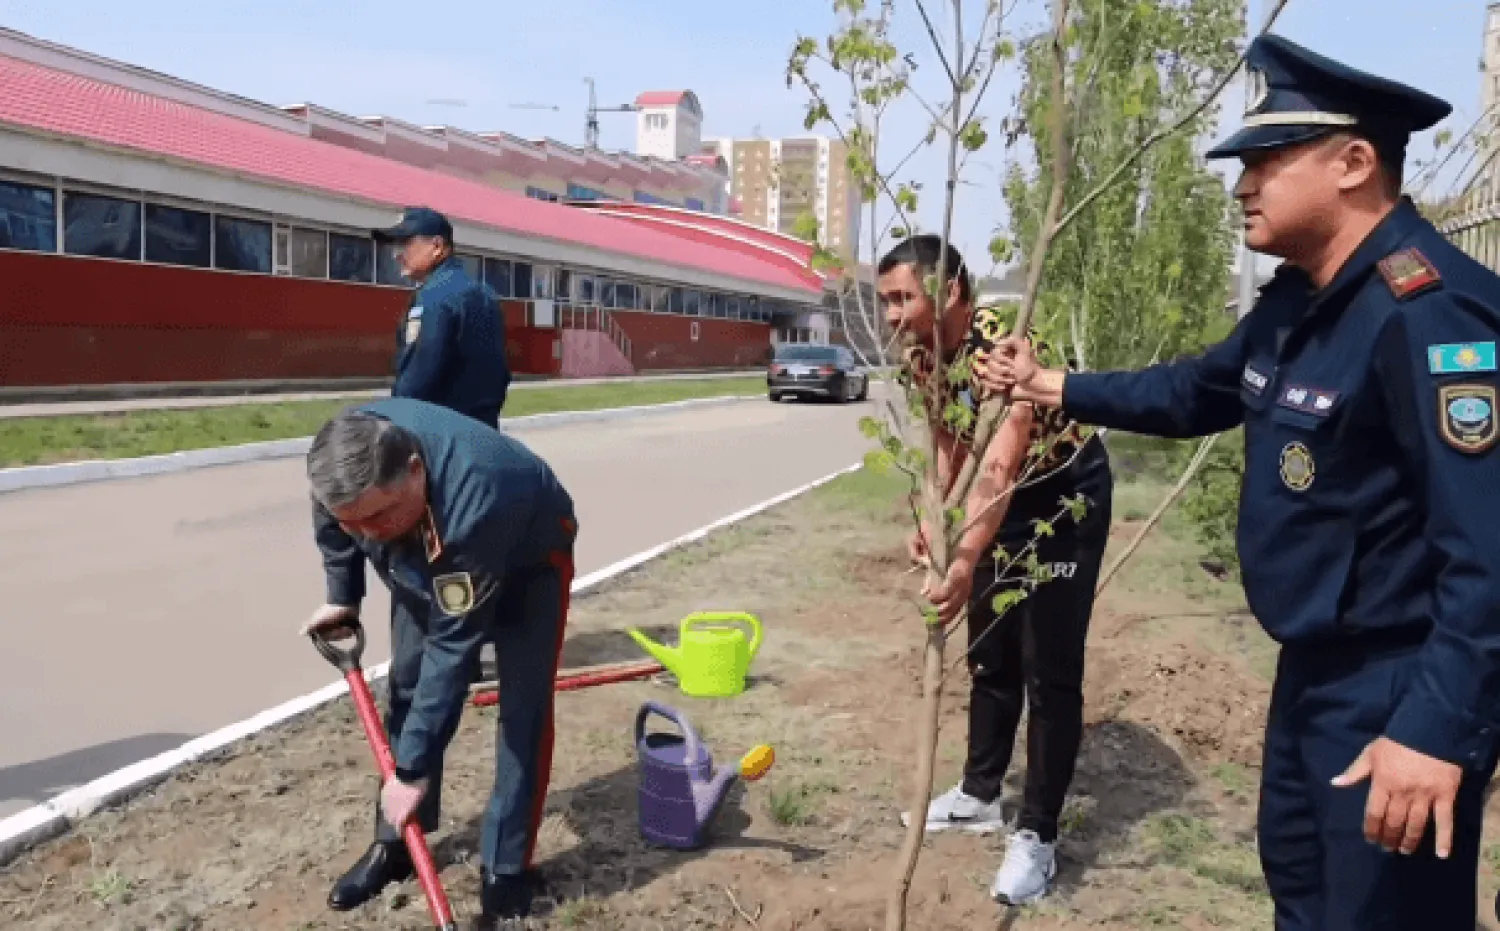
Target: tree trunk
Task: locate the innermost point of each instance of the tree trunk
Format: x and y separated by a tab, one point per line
921	787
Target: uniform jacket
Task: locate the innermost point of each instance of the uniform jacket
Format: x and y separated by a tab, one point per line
450	347
494	508
1371	497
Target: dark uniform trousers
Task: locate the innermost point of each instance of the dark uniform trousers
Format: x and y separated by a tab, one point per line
1034	656
529	620
1328	703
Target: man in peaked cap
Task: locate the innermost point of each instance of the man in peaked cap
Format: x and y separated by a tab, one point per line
450	347
1369	526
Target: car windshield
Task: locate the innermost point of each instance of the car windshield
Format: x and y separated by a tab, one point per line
806	354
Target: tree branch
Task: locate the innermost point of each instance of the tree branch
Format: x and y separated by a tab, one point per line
1182	483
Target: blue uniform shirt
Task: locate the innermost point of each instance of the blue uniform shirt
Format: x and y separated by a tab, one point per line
450	348
494	507
1371	496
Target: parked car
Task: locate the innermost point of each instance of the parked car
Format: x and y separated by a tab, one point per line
804	370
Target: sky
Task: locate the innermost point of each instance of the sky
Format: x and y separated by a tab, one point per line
488	65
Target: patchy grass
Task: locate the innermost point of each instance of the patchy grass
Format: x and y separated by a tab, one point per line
42	440
1157	831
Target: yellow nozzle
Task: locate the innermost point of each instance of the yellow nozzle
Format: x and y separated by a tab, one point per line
757	763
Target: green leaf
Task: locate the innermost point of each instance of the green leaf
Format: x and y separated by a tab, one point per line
955	517
1001	555
1002	249
1007	599
871	427
930	616
1043	528
878	461
973	136
1078	506
899	232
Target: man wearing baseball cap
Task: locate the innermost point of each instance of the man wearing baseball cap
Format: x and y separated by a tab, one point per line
450	347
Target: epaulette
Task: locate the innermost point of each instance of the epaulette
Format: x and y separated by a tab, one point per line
1408	273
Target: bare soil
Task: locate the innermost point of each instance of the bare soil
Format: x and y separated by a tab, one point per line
1158	832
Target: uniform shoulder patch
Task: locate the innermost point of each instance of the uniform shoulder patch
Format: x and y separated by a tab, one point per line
1466	416
455	593
1408	273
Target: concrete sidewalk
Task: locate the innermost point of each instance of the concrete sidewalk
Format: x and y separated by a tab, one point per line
123	405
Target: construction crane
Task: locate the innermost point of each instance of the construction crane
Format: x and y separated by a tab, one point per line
591	122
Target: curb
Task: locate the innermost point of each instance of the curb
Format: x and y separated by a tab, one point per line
55	817
73	473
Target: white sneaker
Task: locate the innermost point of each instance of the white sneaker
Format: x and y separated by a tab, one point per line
1027	872
955	809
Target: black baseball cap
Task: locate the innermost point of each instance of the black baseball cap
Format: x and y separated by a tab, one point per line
417	221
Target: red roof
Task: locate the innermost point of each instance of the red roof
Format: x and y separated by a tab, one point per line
57	102
659	98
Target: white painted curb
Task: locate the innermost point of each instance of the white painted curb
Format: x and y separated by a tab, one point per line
73	473
56	816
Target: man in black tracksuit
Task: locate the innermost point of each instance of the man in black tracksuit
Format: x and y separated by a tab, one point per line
1033	653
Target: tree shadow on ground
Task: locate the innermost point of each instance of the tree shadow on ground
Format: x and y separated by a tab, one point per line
610	856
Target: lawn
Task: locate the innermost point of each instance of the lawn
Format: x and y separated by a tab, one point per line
42	440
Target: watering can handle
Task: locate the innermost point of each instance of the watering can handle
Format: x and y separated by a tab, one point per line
718	618
671	714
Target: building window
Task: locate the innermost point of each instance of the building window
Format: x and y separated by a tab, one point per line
732	306
497	276
104	227
692	303
473	265
692	203
537	193
351	258
521	278
541	282
309	253
242	245
626	296
675	301
28	217
178	237
585	289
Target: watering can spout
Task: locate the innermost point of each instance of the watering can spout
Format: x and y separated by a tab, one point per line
667	656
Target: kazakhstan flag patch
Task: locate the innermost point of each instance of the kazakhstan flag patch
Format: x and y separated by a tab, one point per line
1461	358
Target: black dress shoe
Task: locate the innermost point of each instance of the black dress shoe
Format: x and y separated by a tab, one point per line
384	863
502	899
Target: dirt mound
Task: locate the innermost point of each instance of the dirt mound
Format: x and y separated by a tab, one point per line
1212	708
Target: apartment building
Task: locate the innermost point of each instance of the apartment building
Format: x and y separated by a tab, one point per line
773	183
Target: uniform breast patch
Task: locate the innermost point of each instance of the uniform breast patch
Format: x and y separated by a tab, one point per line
413	324
455	593
1297	468
1409	273
1460	358
1466	416
1315	401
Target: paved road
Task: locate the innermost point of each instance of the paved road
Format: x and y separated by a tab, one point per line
122	405
143	612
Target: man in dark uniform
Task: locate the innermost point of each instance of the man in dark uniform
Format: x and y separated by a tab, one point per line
1369	527
1032	656
473	535
450	348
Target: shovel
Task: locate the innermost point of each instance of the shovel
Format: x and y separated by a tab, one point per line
347	662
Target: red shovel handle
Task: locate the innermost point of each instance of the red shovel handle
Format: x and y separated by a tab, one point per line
348	662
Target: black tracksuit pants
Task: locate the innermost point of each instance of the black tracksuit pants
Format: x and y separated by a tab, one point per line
1034	656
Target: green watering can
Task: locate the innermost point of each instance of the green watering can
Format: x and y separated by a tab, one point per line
714	656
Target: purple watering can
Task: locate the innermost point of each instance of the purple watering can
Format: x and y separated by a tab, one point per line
680	791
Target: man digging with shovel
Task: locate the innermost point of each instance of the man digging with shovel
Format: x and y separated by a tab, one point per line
473	534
